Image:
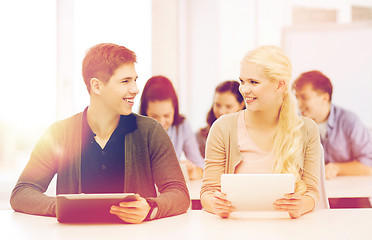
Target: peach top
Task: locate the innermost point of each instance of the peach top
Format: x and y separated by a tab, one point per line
254	159
223	156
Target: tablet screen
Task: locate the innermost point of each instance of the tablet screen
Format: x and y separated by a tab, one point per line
256	192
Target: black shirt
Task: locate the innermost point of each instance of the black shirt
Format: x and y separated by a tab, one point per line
102	170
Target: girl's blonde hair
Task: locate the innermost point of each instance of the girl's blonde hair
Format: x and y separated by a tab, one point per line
288	141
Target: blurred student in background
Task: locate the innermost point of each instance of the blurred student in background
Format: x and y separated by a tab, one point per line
267	137
159	101
346	141
227	99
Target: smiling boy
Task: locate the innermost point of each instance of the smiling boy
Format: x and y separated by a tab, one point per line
106	149
346	141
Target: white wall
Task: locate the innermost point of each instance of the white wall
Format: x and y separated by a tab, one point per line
33	90
343	52
123	22
28	86
213	36
197	43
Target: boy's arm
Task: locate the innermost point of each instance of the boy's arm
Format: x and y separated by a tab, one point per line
174	196
28	194
352	168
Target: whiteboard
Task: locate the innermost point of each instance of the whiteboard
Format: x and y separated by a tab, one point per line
343	52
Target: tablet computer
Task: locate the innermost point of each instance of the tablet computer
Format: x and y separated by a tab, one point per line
256	192
86	208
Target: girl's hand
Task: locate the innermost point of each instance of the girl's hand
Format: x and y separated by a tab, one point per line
295	204
221	206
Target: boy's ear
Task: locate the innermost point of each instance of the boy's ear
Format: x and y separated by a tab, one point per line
95	85
326	97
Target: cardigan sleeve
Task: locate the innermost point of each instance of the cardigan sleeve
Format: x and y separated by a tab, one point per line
218	142
28	194
312	156
174	196
215	160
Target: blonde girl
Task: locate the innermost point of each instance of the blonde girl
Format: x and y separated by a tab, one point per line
267	137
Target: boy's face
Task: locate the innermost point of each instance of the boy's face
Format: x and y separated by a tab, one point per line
119	92
313	104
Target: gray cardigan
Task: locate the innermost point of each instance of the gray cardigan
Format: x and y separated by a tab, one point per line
150	160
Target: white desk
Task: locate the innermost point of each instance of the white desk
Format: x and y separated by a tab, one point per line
322	224
339	187
349	187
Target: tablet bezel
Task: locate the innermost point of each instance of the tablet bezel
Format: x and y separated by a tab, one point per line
123	196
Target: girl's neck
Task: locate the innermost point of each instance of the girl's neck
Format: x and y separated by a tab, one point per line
261	119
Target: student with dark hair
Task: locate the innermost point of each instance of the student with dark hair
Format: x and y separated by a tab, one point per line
106	149
346	141
159	101
227	99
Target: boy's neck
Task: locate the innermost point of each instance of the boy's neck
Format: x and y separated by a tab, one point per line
324	113
102	123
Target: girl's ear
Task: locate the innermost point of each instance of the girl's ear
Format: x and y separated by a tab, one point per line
281	86
96	86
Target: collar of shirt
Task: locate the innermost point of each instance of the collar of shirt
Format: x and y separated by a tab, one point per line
127	124
332	118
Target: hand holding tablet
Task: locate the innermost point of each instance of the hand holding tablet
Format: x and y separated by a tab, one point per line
255	194
135	211
222	206
73	208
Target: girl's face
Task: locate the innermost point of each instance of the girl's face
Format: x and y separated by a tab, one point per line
225	103
162	111
259	92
